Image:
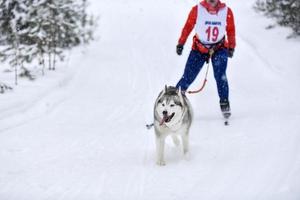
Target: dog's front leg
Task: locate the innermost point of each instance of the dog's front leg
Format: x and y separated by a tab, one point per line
160	144
185	143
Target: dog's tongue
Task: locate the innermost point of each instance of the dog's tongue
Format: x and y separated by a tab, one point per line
166	118
163	120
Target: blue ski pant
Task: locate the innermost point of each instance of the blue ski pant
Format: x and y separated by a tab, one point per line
194	64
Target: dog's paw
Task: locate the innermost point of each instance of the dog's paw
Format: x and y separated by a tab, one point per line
187	156
185	151
161	162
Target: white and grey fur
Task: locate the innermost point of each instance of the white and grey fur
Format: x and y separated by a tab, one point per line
175	111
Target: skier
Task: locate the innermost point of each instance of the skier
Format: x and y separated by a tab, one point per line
215	38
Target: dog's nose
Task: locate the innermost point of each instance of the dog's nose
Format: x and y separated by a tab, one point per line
165	112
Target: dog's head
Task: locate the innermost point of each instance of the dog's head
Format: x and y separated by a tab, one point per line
169	105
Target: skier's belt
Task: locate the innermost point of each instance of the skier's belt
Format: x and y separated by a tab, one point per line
205	48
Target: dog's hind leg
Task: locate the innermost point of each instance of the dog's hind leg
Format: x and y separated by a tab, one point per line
160	144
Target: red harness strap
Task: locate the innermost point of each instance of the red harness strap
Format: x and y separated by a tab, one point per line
197	45
203	85
210	53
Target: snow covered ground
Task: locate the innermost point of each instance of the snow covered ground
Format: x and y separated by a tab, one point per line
84	136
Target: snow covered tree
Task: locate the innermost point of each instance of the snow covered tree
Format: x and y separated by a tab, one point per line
36	29
287	12
62	25
4	87
14	33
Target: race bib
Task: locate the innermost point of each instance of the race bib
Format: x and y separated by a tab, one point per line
211	28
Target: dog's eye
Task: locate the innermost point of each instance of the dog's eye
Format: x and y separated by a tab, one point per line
163	105
172	105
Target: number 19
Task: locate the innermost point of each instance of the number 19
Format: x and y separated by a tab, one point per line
214	32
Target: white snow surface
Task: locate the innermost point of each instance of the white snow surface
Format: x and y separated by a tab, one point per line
81	134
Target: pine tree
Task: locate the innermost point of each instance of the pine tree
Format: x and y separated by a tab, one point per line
35	29
286	12
13	33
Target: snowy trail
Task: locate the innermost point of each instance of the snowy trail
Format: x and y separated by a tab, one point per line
93	144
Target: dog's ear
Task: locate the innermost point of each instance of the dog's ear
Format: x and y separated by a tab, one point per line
180	96
162	93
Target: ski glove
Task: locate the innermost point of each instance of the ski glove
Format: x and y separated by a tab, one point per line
179	49
230	52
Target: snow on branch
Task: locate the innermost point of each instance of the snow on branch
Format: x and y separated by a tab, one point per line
42	30
286	12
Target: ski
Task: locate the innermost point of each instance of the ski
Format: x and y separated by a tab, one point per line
226	122
225	108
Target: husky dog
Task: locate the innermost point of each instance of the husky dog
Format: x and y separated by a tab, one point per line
172	116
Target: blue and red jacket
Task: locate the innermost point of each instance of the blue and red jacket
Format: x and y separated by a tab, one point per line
191	21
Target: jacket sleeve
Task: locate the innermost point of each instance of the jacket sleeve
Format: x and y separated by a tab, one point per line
230	29
189	26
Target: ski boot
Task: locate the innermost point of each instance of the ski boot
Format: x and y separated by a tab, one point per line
225	108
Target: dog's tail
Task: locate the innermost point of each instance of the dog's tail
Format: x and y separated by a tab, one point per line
149	126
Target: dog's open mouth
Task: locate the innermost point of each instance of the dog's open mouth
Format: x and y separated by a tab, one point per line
166	118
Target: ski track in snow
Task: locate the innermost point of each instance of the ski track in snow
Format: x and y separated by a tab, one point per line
93	143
